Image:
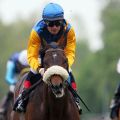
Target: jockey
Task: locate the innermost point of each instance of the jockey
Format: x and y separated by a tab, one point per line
16	63
52	28
115	103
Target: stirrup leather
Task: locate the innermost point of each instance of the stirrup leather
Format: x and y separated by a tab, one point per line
20	105
77	101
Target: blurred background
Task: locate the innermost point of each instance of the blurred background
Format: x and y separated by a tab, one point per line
97	27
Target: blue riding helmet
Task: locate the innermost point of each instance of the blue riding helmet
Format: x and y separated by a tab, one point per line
53	11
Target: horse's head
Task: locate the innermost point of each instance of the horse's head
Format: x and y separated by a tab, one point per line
54	55
56	66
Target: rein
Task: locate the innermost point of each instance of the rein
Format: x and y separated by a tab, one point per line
75	93
28	91
52	49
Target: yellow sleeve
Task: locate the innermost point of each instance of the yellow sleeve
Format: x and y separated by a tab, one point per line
33	50
70	47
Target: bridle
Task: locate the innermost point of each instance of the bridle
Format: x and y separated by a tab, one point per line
54	51
57	89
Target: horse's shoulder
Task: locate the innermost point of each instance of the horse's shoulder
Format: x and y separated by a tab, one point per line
19	84
39	89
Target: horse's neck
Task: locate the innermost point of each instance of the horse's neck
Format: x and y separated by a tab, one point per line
53	99
49	106
119	114
58	107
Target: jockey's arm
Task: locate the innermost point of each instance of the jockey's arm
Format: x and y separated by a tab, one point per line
10	73
33	50
70	47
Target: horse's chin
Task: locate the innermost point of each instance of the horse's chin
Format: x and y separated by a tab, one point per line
59	94
57	86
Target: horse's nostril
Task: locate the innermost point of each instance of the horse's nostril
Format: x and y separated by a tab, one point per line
56	80
58	92
56	87
61	85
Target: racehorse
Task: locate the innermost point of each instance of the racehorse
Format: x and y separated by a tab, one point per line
118	118
6	114
51	98
119	114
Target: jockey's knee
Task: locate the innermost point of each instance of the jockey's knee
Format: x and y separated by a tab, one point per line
31	78
72	81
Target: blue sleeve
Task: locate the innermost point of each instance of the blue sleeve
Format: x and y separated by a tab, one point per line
10	73
69	79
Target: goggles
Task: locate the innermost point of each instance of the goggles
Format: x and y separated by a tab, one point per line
54	23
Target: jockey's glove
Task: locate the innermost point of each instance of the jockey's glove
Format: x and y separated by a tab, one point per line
41	71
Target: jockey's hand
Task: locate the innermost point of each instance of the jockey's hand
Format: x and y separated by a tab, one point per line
41	71
12	88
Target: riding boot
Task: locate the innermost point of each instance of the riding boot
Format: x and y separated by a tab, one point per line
21	102
77	101
5	103
115	103
116	100
74	88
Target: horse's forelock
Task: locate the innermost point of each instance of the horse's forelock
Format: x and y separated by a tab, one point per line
55	70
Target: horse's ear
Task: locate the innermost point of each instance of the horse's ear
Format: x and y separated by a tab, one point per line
62	47
54	45
47	47
62	44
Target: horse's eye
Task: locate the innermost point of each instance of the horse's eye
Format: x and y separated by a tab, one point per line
45	64
65	61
